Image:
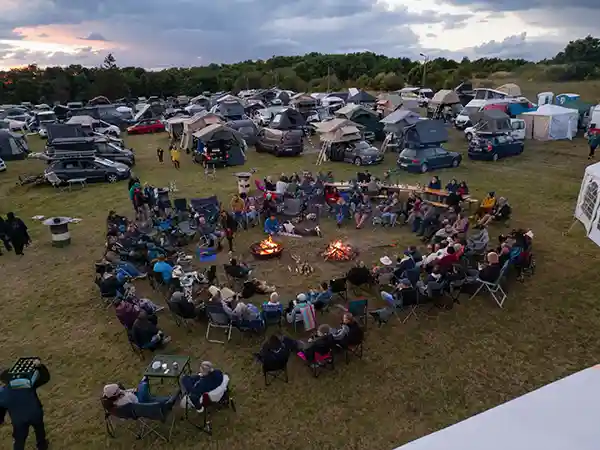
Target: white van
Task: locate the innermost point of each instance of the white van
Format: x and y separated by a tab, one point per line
594	119
517	133
463	120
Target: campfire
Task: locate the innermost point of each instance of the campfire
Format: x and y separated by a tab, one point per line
266	249
338	251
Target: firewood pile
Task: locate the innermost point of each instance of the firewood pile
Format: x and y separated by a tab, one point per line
302	267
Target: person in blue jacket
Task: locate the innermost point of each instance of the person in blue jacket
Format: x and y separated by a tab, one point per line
19	398
207	380
272	225
435	183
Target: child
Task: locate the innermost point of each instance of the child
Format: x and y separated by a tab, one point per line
160	153
175	157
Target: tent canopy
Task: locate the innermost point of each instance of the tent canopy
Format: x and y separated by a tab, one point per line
287	119
559	416
588	202
445	97
338	130
361	97
510	89
491	121
217	131
551	122
397	121
426	132
12	146
84	121
352	110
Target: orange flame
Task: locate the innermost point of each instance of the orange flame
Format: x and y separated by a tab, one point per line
268	246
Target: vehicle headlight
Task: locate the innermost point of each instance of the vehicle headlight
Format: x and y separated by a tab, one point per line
121	169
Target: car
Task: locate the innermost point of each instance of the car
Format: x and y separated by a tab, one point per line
492	147
429	158
359	153
92	169
102	148
280	142
2	165
147	126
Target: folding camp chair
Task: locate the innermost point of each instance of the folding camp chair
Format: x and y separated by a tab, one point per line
410	296
292	207
360	310
151	415
218	319
495	288
272	317
322	361
339	286
275	371
124	415
139	351
219	398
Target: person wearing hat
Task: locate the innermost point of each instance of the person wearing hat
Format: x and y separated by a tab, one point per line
187	309
19	398
206	380
293	312
115	395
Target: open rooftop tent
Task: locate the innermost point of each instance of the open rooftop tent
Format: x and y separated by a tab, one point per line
361	97
287	119
426	133
559	416
366	117
12	146
195	123
444	97
338	130
100	100
510	89
231	109
399	120
551	122
491	121
221	132
247	128
201	100
587	210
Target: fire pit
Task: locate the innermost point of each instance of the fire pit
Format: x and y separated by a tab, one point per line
338	251
266	249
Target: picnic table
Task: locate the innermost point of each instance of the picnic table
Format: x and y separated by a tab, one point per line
168	366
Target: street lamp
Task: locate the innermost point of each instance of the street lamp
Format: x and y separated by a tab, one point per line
425	60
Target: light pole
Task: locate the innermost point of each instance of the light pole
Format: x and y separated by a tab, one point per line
425	60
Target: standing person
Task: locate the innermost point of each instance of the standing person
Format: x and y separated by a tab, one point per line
17	231
4	235
175	155
160	154
229	224
593	141
19	398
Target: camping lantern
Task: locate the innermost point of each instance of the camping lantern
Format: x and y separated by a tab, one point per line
243	180
59	227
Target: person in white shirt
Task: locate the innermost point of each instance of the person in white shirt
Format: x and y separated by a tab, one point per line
280	187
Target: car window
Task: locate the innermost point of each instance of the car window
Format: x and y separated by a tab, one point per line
429	152
102	147
88	164
408	153
71	165
500	140
440	152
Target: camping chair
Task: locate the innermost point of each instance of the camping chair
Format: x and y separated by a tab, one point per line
339	287
218	319
53	179
410	295
178	316
495	288
122	414
323	359
360	310
219	398
151	415
275	370
235	282
208	207
292	207
393	306
139	351
272	317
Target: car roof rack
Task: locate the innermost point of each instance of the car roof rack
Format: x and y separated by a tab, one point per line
70	154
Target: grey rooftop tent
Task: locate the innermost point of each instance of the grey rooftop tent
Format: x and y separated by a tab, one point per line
287	119
221	132
361	97
426	133
12	146
397	121
65	130
491	121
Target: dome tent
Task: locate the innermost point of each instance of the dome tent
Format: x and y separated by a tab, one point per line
587	209
12	146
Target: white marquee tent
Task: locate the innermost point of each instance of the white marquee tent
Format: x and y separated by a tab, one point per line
587	210
551	122
560	416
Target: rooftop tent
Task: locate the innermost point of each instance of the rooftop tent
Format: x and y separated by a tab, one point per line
343	95
588	202
174	126
65	130
304	101
220	132
545	98
230	109
126	112
491	121
287	119
195	123
201	100
444	97
361	97
84	121
338	130
194	109
229	98
253	105
368	118
246	128
12	146
426	132
559	416
551	122
387	102
284	97
563	99
397	121
510	89
100	100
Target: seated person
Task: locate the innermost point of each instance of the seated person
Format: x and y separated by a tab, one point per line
502	210
237	271
145	333
463	189
332	196
359	274
403	264
294	309
350	333
322	343
491	270
483	218
209	231
414	253
452	186
372	187
444	233
164	268
390	210
269	185
187	309
322	298
477	243
239	311
269	207
238	208
404	295
290	228
117	221
433	278
449	259
126	312
435	183
488	203
195	386
273	354
109	284
115	395
272	225
363	211
273	303
281	186
461	225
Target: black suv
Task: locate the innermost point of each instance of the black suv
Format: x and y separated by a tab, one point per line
92	169
103	148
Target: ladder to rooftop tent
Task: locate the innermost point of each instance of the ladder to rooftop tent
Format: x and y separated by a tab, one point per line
325	150
386	142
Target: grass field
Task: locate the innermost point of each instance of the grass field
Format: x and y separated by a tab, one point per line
414	379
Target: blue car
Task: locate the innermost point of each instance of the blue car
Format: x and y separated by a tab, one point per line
492	147
422	160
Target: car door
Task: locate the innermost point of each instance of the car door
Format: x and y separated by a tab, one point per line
71	170
261	140
518	129
348	152
513	146
440	157
502	147
92	170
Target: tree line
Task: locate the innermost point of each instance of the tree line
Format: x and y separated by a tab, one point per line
579	60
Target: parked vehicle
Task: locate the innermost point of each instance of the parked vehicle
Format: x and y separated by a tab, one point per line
490	147
280	142
359	153
102	148
93	169
74	105
2	165
424	96
429	158
147	126
517	133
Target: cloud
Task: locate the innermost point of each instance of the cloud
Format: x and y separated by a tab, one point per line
94	37
43	35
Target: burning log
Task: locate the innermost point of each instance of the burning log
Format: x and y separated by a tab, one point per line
266	249
338	251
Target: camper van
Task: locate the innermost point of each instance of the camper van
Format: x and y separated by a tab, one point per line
489	94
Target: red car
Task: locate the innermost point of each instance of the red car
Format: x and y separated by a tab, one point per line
147	126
